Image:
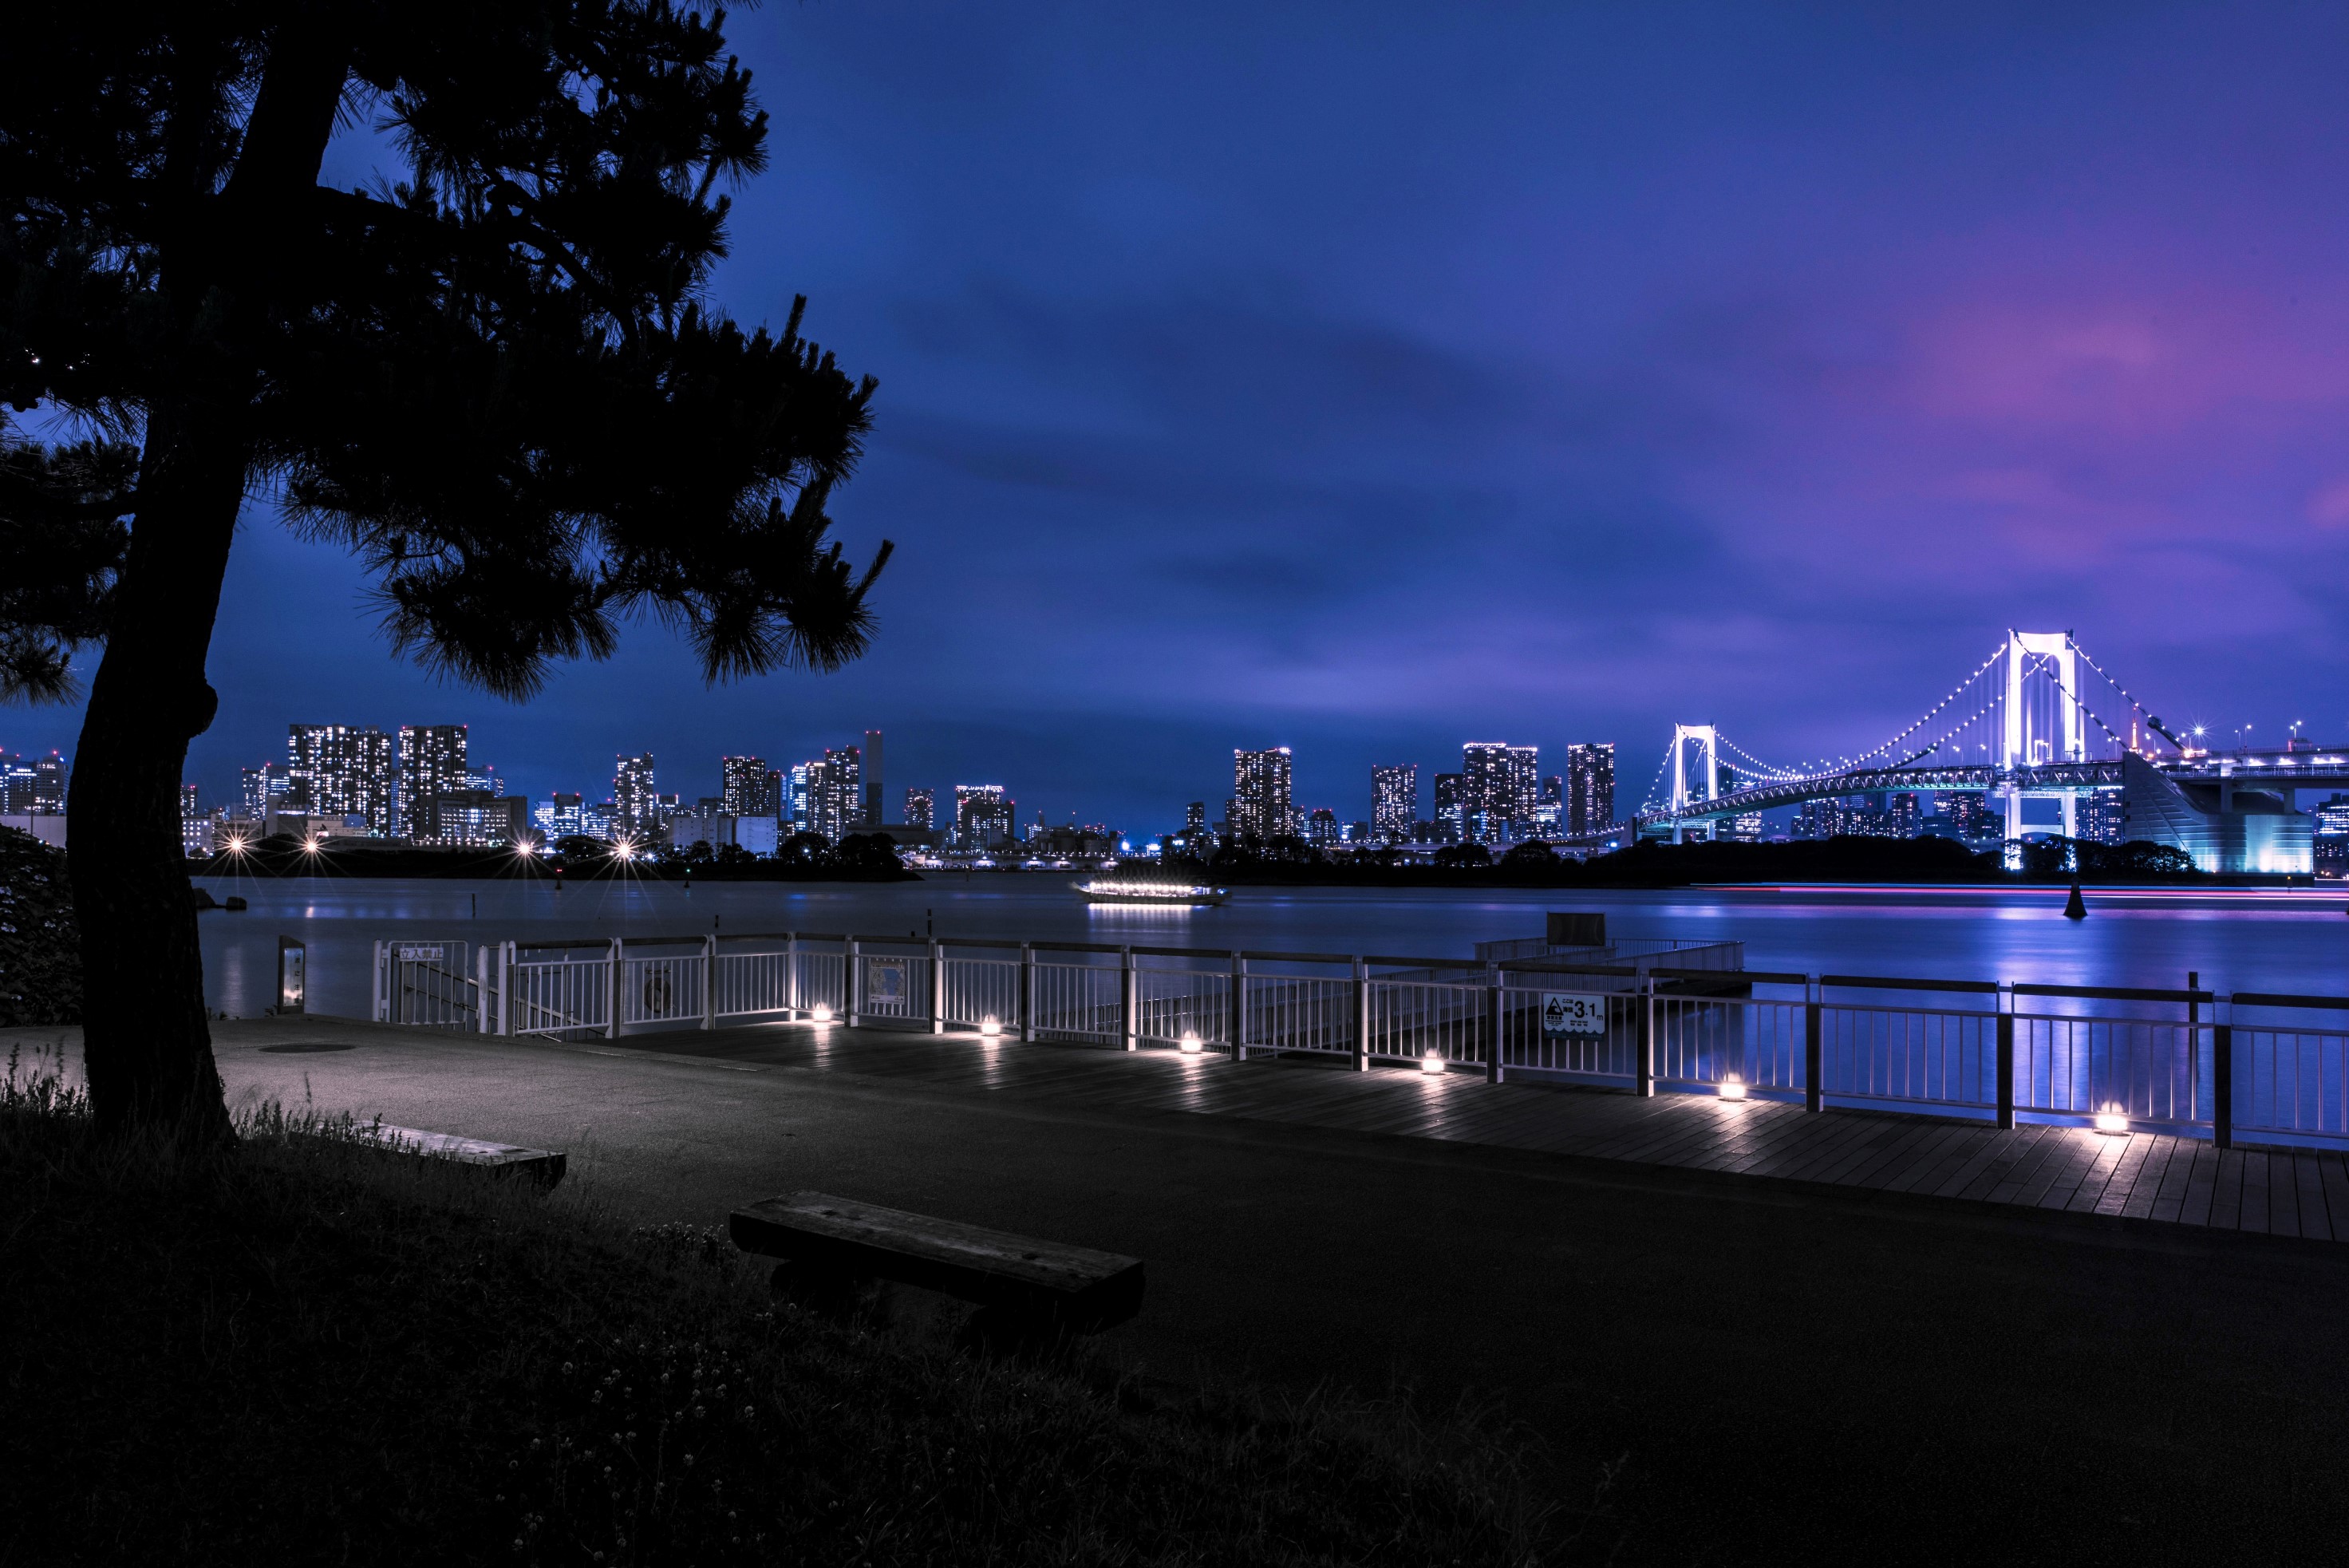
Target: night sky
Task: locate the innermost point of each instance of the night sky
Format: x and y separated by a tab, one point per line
1370	379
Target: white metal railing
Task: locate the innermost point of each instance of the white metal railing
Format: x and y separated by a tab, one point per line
426	985
981	992
1077	1002
2143	1070
559	996
1924	1055
2187	1061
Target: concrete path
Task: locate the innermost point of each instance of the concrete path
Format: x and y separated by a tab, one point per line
1761	1350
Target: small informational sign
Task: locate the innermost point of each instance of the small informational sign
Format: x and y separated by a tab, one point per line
293	974
419	952
885	982
1567	1014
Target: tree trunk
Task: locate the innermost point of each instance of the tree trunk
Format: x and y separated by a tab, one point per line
147	1045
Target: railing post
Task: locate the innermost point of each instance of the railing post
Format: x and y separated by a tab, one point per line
1492	1000
481	990
1813	1048
1240	1008
2006	1059
382	1010
1361	1015
2222	1076
709	981
505	988
1644	1049
1028	992
612	1001
791	988
852	991
1129	1021
937	987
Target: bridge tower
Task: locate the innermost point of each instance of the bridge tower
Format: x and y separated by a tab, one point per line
1703	737
2021	647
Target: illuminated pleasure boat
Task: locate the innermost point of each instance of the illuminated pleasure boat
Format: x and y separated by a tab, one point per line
1160	890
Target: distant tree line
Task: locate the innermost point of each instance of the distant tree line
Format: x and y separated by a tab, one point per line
1848	857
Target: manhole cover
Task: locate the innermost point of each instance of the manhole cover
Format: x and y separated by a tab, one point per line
304	1047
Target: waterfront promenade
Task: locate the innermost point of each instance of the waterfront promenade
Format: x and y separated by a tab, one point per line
1727	1302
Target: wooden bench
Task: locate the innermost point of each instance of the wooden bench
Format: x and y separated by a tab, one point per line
543	1167
1034	1289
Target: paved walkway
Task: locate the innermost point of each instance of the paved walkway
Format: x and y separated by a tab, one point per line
2129	1391
2142	1175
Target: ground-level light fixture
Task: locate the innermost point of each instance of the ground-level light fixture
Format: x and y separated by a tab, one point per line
821	1015
1732	1088
1189	1046
1432	1062
2112	1126
990	1026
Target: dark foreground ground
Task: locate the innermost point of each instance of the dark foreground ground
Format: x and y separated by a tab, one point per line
1769	1370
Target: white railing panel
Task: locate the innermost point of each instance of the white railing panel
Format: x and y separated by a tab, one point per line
1933	1056
1174	1004
982	990
1078	1001
753	984
1413	1020
2144	1069
559	997
2292	1081
1285	1013
666	989
1717	1040
894	986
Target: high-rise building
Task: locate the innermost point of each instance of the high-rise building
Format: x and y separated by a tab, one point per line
1500	787
431	765
1851	816
984	814
1906	816
479	819
1394	801
635	800
1969	812
837	793
1590	787
1450	808
921	808
563	817
1549	810
263	790
746	787
798	799
1321	828
872	816
342	771
195	827
1260	794
1194	817
2096	817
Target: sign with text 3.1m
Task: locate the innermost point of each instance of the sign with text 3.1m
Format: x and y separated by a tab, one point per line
1572	1015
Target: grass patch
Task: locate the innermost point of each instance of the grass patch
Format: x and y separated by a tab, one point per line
301	1350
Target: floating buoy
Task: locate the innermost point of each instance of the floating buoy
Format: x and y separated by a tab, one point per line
2075	908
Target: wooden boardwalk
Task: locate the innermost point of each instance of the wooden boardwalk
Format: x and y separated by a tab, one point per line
2142	1175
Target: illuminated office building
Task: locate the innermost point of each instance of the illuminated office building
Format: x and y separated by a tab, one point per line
342	772
431	765
1261	793
1590	787
1394	801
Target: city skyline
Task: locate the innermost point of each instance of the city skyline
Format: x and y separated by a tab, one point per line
1731	421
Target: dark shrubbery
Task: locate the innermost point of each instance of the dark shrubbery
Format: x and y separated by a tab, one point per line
299	1349
40	945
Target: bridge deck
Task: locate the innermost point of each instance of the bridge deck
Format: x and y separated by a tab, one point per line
2145	1176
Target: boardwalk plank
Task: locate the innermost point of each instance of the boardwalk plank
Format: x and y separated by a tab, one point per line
2162	1177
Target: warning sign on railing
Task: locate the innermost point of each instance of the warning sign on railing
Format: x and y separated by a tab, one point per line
1566	1013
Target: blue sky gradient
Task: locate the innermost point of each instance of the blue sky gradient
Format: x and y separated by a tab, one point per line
1368	379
